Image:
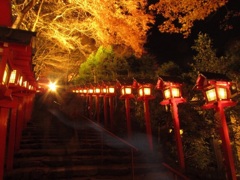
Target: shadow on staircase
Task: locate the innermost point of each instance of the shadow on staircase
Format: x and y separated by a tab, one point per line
55	146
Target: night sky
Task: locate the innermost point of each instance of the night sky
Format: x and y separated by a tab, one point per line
173	47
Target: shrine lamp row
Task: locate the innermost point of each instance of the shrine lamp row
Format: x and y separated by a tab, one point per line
215	87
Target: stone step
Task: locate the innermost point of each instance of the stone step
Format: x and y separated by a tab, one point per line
68	172
85	170
84	143
53	150
56	133
27	140
80	159
66	150
46	161
46	144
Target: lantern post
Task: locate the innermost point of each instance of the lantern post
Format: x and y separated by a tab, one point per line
105	105
84	94
145	94
216	90
89	95
171	88
97	91
126	94
111	92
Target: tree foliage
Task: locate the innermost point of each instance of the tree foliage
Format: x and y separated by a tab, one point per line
105	65
68	27
206	56
179	16
169	69
233	55
69	31
206	59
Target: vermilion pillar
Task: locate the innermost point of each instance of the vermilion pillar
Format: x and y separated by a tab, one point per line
172	94
4	114
127	94
90	110
6	13
177	135
217	90
19	123
111	111
148	123
229	162
127	107
105	111
29	107
11	139
97	109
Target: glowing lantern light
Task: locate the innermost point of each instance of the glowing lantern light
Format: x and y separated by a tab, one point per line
6	74
171	88
126	94
52	86
216	90
145	94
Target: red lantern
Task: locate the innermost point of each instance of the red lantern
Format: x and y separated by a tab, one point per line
126	94
145	94
216	90
171	88
172	94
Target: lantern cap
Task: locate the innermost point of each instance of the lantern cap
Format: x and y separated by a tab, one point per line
109	83
208	78
142	81
164	81
16	35
124	82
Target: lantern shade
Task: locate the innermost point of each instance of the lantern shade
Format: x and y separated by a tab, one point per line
126	88
172	92
85	91
20	80
176	92
111	90
167	93
25	84
97	90
6	74
144	87
171	88
90	91
15	80
215	87
13	77
144	91
104	90
222	93
211	95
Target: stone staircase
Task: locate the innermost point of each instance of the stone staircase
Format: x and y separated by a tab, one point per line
55	147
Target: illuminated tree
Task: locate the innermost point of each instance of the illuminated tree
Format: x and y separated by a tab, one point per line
179	16
69	31
67	28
